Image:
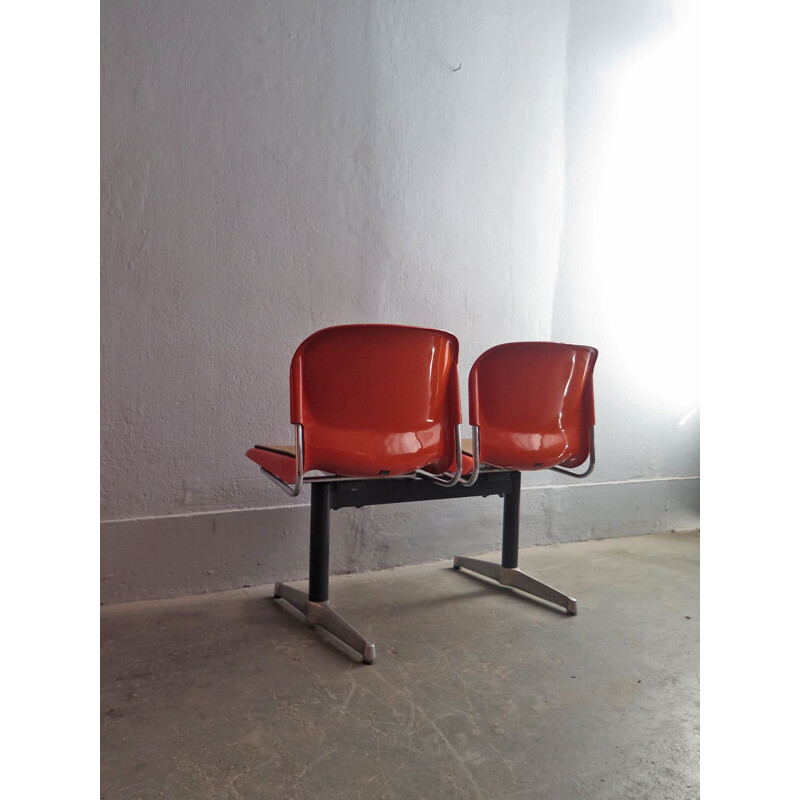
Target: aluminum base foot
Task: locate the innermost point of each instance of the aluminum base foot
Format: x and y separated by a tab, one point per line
517	579
323	615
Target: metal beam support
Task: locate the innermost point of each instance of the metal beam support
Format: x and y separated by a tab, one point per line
355	493
319	548
511	500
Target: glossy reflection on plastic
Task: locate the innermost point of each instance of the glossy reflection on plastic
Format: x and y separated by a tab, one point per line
534	404
377	399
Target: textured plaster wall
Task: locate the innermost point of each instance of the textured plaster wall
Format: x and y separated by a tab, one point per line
271	168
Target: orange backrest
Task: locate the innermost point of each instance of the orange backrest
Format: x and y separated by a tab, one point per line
376	399
534	404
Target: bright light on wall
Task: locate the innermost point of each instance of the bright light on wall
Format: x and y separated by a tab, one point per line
643	226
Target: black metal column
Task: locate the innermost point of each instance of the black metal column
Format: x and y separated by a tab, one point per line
320	542
511	500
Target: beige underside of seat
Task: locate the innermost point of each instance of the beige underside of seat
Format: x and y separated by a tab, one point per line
283	449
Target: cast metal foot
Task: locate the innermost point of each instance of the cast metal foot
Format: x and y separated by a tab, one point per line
517	579
323	615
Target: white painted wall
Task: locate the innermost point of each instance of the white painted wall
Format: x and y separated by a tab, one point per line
271	168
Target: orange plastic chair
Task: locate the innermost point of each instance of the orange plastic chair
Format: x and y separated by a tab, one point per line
367	401
532	404
531	407
370	401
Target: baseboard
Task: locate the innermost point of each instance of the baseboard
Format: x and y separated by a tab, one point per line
168	556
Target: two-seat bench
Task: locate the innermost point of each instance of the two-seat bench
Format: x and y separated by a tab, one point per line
376	410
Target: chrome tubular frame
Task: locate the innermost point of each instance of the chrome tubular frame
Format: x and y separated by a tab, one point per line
459	464
476	457
299	458
591	460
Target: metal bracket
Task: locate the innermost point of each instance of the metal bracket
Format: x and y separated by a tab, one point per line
517	579
591	460
459	465
299	458
324	616
476	457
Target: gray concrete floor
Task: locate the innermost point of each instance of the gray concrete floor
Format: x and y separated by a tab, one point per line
478	691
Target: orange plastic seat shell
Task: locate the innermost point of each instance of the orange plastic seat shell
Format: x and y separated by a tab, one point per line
534	403
376	399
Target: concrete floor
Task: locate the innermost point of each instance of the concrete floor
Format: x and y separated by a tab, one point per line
478	691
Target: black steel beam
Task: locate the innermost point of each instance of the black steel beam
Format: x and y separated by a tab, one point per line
320	542
510	558
356	493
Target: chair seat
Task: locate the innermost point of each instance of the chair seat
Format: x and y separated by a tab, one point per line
279	459
525	451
